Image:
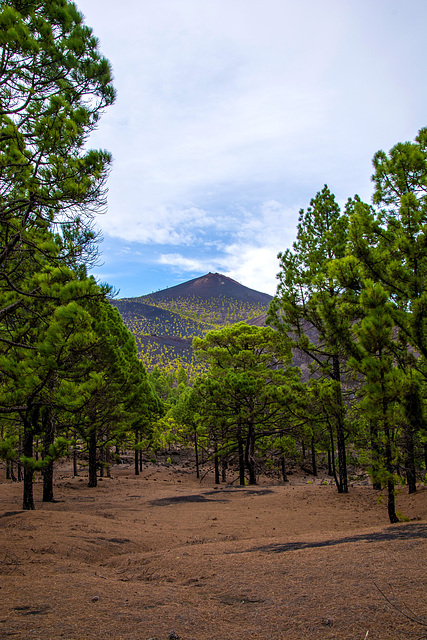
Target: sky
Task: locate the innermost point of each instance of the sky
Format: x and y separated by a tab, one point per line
232	114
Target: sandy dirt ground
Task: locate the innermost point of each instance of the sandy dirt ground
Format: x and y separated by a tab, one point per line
162	555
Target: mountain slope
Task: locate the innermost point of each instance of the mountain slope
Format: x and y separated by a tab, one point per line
164	323
211	286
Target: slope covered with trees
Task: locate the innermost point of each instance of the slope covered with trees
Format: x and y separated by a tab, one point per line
164	323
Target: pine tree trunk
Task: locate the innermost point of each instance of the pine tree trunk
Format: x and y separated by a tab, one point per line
75	472
93	481
342	460
136	461
415	420
48	439
391	502
18	464
48	483
334	469
313	457
224	465
283	468
241	460
107	461
216	464
27	450
330	473
376	455
196	451
250	454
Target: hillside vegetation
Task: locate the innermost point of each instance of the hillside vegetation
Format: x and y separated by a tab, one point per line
164	323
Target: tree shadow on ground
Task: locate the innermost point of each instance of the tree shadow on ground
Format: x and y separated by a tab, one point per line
201	497
163	502
399	532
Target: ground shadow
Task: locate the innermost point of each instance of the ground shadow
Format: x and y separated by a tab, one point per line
162	502
400	532
243	490
201	497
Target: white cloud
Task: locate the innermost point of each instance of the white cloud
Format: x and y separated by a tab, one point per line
180	263
255	267
251	256
232	114
163	225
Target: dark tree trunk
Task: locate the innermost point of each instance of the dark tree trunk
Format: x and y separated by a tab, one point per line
48	439
216	464
107	461
303	449
196	451
391	503
313	457
330	472
101	462
241	460
11	475
93	481
376	457
411	475
283	468
75	471
334	469
27	450
18	464
342	460
136	454
140	460
415	420
48	483
250	454
224	465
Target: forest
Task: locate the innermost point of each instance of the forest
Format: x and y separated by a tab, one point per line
337	375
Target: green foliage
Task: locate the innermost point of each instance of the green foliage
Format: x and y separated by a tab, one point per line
307	308
249	388
66	359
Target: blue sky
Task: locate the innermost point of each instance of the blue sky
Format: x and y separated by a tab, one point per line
232	114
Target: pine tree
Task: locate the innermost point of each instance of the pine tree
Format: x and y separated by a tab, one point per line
306	308
248	389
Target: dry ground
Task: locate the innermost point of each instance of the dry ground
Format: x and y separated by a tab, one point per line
138	557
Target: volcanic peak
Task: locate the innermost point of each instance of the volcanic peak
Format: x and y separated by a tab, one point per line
211	285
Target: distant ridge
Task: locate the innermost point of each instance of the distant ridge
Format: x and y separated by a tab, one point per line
211	285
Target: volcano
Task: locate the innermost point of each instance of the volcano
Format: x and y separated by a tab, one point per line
211	286
164	323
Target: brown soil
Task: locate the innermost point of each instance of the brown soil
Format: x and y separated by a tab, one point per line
138	557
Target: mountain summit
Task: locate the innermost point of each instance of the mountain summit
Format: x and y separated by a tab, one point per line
211	286
164	323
